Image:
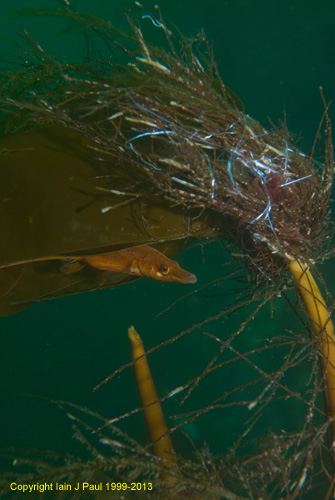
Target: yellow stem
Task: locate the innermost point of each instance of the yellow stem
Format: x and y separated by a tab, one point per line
323	327
151	407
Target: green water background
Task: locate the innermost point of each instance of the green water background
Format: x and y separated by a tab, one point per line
274	55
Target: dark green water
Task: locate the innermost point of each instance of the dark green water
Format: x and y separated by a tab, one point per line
274	55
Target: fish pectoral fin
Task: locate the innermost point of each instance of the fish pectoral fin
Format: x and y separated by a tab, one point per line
71	266
116	278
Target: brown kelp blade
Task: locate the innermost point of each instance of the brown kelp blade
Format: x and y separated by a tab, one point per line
22	286
55	196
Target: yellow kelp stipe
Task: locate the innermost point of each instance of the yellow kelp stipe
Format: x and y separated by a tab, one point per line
323	327
151	407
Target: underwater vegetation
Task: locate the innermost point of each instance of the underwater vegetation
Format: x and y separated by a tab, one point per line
142	146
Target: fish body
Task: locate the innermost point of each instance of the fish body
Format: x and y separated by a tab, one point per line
141	260
147	261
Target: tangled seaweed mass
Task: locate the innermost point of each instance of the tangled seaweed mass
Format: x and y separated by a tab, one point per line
173	129
160	127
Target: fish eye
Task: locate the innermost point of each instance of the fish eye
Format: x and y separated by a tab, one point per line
164	270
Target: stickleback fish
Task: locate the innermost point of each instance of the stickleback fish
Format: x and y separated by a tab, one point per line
141	260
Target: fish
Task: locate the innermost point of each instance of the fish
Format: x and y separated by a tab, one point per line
141	260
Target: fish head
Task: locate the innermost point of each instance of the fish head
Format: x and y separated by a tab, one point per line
164	269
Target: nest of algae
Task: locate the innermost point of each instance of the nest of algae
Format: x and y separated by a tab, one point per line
162	128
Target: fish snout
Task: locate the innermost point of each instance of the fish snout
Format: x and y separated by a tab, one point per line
187	277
